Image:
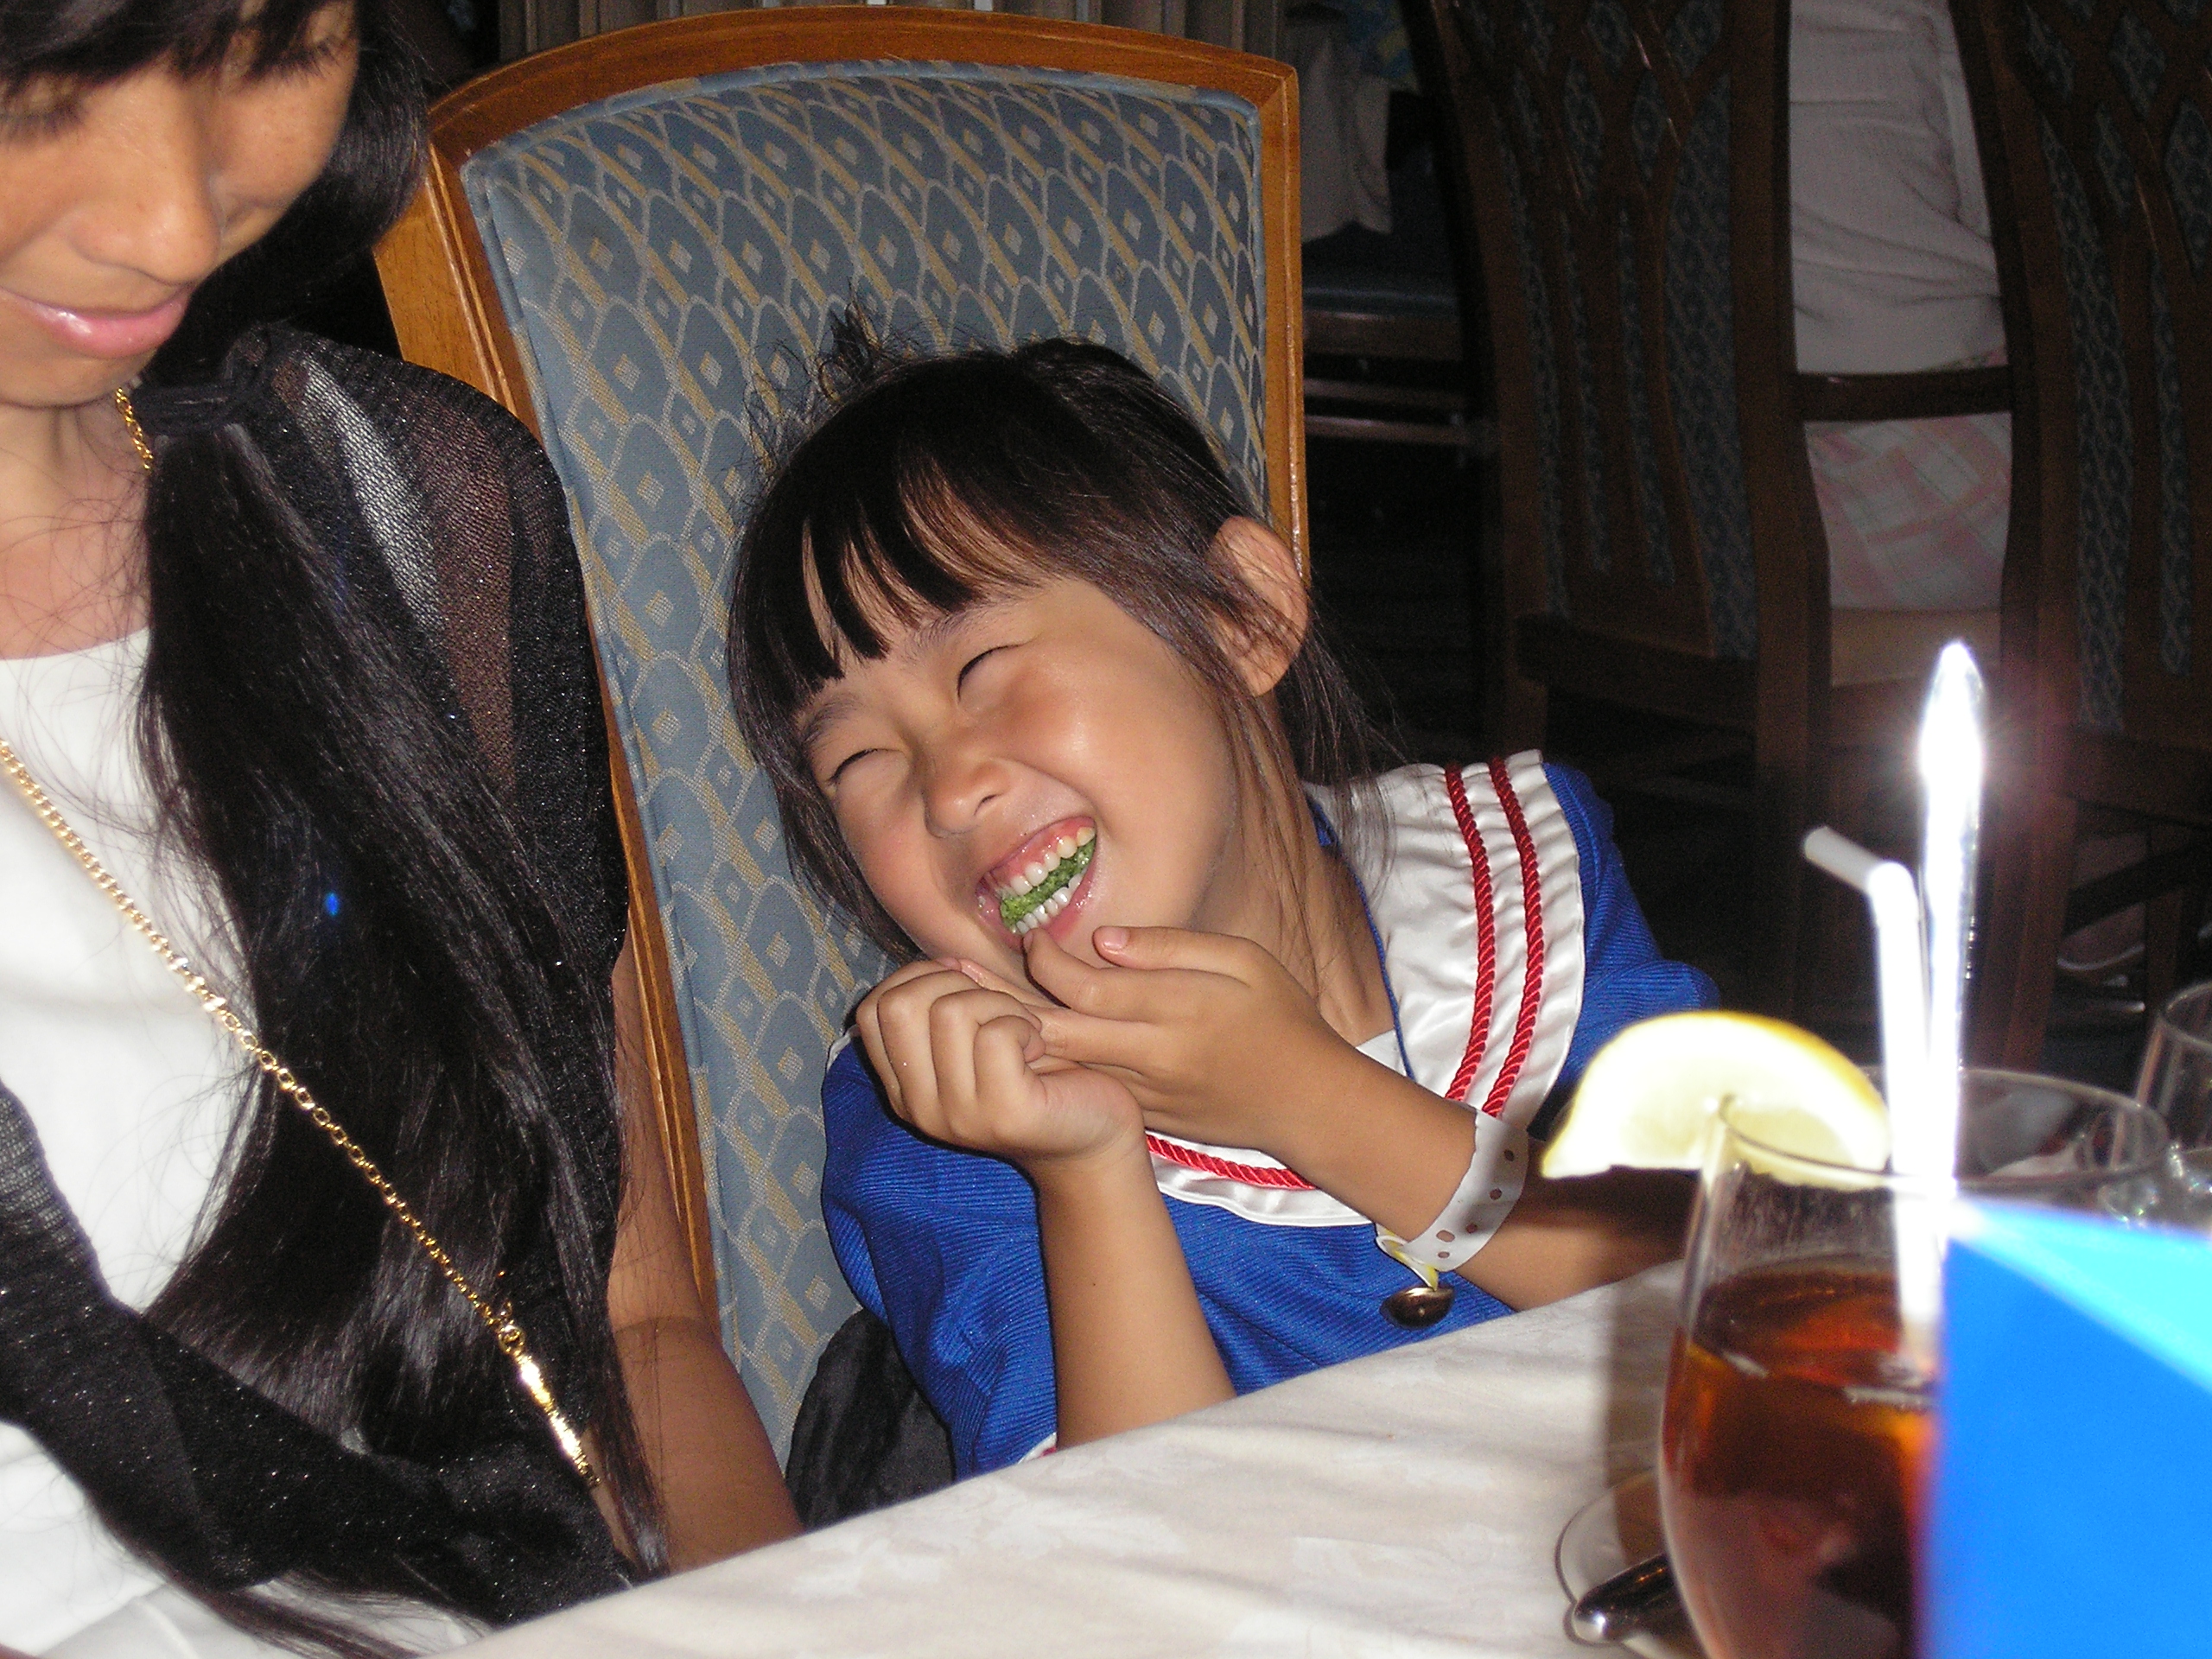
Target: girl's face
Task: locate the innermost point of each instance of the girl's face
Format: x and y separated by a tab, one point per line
1044	740
117	200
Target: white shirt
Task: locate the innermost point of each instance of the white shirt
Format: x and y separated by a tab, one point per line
1889	228
132	1088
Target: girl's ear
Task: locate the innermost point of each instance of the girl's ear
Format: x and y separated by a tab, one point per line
1263	654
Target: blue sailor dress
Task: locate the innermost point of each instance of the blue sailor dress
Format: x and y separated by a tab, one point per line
1514	949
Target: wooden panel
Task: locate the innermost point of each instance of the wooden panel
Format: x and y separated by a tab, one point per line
531	26
1712	691
1367	333
1903	397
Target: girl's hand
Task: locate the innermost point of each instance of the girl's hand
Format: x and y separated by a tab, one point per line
961	1054
1214	1039
1217	1043
965	1063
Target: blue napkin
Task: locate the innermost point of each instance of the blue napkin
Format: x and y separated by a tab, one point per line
2073	1484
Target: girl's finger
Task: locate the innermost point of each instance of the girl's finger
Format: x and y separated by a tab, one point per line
894	1026
1028	996
867	1027
1108	993
956	1020
1003	1052
1160	948
952	1068
1084	1039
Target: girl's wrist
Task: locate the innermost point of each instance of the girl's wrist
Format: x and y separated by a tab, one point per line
1120	1165
1383	1144
1322	1098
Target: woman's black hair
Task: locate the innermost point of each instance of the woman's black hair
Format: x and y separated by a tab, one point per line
301	750
936	481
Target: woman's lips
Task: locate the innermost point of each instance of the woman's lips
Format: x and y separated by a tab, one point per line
109	333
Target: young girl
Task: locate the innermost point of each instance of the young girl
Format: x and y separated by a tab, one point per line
1211	1053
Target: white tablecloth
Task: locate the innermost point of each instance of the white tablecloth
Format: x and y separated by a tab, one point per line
1403	1505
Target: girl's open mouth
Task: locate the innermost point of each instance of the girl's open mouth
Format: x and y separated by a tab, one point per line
1044	886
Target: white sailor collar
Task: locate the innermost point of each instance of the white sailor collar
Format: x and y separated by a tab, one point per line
1476	892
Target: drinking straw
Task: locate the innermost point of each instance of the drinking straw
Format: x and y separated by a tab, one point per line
1900	969
1901	978
1951	761
1924	1142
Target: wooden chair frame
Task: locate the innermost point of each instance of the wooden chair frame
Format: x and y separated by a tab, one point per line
2049	772
445	309
1627	640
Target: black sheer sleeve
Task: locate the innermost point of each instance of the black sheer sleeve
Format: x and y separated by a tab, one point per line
461	503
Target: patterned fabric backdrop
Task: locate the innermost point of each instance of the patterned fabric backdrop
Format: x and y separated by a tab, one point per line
674	257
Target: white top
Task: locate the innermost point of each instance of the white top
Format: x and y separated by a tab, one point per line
131	1087
1889	229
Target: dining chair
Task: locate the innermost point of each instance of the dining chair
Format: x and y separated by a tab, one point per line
1383	331
2096	122
1619	170
637	245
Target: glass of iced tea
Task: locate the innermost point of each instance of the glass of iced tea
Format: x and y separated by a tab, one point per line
1797	1432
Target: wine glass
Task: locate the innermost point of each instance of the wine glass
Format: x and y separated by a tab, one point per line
1796	1433
2176	1083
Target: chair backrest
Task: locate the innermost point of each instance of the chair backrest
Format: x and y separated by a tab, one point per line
637	243
2097	135
1625	171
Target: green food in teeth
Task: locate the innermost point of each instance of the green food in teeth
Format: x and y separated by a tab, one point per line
1059	877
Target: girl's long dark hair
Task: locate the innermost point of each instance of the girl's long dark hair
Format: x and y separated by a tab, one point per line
299	743
932	482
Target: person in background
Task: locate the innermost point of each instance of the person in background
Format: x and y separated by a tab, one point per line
1216	1057
292	643
1894	274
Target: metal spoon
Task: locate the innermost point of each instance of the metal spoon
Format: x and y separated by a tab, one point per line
1637	1599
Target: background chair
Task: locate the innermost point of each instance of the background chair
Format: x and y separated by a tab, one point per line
2097	149
638	244
1619	170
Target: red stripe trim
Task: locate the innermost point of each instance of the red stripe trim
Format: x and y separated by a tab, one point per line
1486	936
1206	1164
1532	912
1525	1025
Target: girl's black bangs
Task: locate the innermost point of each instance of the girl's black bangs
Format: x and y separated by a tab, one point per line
904	543
92	41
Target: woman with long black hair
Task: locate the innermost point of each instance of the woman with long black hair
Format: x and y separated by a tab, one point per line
327	1315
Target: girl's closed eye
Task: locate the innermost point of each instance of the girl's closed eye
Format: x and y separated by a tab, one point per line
975	662
34	114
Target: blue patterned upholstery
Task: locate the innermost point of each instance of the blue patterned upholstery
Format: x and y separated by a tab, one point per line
2119	99
1543	358
1650	492
672	257
1702	366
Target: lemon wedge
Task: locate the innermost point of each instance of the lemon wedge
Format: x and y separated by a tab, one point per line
1650	1098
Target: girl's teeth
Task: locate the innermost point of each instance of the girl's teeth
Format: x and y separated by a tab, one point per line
1052	860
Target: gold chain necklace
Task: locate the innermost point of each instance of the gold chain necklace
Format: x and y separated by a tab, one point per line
497	1317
